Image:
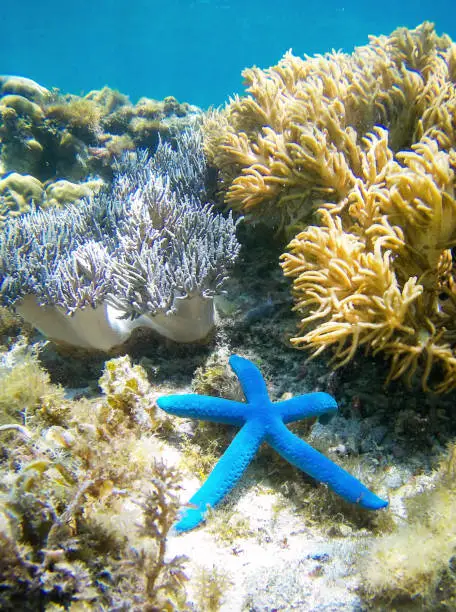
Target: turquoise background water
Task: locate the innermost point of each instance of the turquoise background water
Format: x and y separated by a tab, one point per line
194	50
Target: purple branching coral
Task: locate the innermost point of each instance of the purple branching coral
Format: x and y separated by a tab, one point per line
147	252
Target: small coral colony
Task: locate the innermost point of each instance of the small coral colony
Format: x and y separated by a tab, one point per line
116	216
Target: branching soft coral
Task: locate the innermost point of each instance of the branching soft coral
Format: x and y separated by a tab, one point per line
368	140
378	271
148	252
296	140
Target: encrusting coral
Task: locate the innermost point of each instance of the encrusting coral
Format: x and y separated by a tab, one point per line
149	252
19	192
86	499
366	145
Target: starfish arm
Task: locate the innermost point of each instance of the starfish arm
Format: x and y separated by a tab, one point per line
251	379
224	476
205	408
306	458
304	406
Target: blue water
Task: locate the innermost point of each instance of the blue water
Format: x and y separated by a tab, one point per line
194	50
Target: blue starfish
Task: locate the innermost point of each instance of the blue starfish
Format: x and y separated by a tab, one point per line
261	420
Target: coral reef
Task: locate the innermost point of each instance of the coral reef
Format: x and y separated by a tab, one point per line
147	252
378	272
88	492
47	136
86	500
295	141
365	144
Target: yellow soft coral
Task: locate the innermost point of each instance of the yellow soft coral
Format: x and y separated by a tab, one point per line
296	140
353	293
369	141
378	271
